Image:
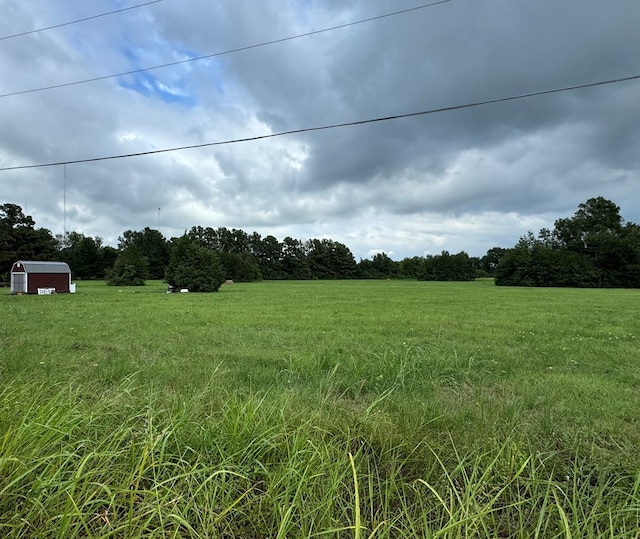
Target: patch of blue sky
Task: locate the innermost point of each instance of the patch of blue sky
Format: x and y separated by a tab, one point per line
149	85
211	68
152	87
214	73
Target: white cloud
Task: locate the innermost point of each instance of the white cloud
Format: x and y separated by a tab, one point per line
464	180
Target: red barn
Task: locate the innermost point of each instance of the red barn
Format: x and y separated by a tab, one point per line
27	277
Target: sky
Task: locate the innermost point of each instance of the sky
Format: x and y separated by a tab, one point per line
467	179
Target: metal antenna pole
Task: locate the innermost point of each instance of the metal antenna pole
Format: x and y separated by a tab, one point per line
64	204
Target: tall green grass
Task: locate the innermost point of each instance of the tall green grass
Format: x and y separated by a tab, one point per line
320	409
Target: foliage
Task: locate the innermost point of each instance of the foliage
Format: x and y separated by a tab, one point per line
532	262
109	256
240	267
85	255
447	267
234	250
411	268
379	267
330	259
21	240
594	248
489	262
294	259
152	245
268	252
221	239
131	268
194	266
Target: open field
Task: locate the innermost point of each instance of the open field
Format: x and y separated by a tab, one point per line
321	409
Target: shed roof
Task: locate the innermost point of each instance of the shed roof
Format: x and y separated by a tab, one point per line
45	267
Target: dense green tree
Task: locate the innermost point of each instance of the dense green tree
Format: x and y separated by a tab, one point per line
152	245
109	256
628	273
234	249
294	259
205	236
240	267
595	230
489	262
131	268
384	265
85	255
448	267
593	217
412	268
269	254
380	267
240	242
476	262
21	240
194	266
514	268
226	240
595	247
535	262
222	239
330	259
365	269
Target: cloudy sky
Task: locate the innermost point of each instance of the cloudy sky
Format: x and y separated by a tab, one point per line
466	179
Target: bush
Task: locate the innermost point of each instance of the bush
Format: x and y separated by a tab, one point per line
194	267
129	269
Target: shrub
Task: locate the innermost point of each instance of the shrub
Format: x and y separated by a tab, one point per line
129	269
194	267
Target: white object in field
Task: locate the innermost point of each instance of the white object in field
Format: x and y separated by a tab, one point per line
184	290
72	288
46	291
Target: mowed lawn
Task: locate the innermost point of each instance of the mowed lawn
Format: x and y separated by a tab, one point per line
321	409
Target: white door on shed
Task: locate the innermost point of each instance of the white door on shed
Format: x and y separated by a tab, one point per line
18	283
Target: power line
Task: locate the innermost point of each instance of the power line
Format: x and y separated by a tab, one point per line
78	20
226	52
333	126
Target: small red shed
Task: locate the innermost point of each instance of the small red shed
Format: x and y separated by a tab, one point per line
28	276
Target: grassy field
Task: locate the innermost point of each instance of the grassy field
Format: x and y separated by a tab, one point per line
321	409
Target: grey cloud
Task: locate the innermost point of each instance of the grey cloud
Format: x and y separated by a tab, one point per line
524	163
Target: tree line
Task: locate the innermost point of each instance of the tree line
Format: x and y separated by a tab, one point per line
595	247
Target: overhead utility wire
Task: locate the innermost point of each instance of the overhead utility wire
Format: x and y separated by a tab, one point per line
78	20
223	53
332	126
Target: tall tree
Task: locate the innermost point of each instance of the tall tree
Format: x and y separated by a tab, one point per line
194	266
152	245
84	255
205	236
489	262
379	267
535	262
21	240
240	267
448	267
594	247
597	230
330	259
269	254
131	268
294	259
